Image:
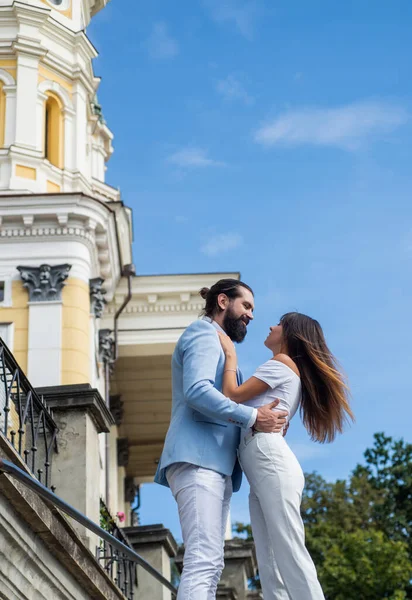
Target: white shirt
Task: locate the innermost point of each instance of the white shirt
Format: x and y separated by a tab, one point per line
284	385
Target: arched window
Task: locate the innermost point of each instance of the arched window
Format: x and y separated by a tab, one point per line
2	113
53	130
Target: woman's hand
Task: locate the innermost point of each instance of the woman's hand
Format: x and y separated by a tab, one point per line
227	344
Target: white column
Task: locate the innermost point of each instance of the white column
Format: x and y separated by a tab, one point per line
80	100
26	106
45	343
10	124
40	118
69	140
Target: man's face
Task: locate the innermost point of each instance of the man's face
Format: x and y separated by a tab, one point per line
238	314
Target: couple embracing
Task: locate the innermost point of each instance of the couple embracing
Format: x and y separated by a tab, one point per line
221	425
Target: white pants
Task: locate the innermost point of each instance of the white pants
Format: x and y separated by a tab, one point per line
276	482
203	498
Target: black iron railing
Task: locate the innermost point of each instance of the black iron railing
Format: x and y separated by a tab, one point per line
116	564
8	467
25	419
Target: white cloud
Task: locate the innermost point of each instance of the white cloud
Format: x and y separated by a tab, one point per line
241	13
343	127
232	89
160	45
221	243
193	158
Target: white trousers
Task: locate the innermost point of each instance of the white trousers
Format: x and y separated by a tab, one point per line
276	482
203	498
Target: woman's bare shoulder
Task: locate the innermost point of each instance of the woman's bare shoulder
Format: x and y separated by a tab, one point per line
286	360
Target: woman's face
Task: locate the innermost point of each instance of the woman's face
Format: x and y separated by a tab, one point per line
275	337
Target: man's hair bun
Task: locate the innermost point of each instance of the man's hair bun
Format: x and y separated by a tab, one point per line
204	292
229	287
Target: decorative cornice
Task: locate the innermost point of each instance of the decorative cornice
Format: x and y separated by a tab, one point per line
130	489
68	216
97	299
79	397
46	231
36	16
239	549
28	48
116	408
97	5
106	346
164	307
165	294
122	452
44	283
151	535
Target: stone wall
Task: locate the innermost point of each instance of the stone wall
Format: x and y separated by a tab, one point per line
27	568
41	555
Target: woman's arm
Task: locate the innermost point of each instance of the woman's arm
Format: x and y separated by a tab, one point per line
238	393
199	352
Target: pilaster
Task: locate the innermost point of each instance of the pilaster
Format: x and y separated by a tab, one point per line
28	49
80	414
80	101
44	285
226	593
10	124
157	545
240	566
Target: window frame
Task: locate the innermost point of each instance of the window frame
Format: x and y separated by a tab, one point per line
8	337
7	300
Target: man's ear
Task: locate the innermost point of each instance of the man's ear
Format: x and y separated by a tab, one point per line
222	301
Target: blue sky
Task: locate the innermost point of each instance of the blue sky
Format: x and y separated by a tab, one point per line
273	137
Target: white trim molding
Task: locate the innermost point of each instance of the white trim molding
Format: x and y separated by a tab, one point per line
75	227
160	309
7	334
6	78
7	293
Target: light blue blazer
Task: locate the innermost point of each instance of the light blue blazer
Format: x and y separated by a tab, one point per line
204	427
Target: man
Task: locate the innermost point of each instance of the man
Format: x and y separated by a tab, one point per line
199	456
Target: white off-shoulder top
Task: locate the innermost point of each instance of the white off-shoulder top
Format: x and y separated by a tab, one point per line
283	383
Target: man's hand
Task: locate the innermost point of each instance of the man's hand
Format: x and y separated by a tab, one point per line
268	420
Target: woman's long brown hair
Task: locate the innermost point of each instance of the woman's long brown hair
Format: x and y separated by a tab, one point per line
324	406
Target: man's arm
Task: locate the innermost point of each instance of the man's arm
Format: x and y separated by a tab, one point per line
200	356
201	353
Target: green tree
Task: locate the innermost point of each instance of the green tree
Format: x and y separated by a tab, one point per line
365	564
388	471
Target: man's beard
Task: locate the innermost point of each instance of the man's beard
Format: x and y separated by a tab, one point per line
234	327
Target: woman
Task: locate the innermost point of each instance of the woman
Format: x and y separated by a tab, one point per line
302	373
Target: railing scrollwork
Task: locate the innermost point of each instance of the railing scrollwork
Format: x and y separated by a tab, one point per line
116	564
25	420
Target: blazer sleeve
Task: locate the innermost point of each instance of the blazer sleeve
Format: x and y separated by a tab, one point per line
200	357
